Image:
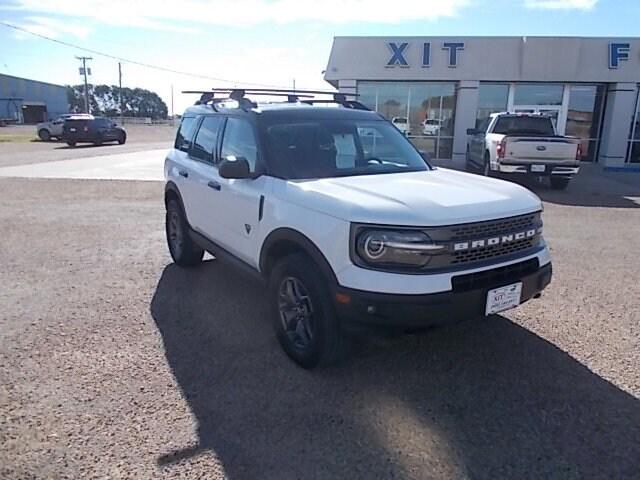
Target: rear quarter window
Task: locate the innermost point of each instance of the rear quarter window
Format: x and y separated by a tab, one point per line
184	137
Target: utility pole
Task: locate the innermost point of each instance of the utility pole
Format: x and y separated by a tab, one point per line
120	91
83	71
172	121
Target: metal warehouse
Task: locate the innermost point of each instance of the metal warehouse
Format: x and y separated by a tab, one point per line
441	86
30	101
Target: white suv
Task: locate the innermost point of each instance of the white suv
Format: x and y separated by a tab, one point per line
346	223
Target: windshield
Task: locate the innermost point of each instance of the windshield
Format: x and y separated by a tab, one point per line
333	148
524	125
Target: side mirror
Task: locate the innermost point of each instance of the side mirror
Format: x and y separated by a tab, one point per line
472	131
234	167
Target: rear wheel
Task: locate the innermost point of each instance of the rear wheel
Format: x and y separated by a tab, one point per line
122	138
98	140
559	183
183	249
71	144
44	135
303	315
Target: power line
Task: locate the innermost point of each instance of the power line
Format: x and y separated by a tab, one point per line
134	62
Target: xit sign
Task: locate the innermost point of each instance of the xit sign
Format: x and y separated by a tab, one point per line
618	52
399	50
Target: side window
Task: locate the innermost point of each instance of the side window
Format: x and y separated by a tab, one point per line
185	133
205	142
240	141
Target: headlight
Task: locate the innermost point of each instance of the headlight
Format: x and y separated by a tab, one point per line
396	247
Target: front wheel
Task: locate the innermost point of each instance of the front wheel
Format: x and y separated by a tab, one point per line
122	138
71	144
559	183
303	315
182	248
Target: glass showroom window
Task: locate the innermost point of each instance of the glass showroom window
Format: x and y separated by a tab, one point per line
423	110
529	94
584	117
492	98
633	150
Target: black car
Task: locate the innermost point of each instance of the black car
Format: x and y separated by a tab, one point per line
96	130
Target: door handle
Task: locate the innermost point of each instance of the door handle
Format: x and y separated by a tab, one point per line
183	173
215	185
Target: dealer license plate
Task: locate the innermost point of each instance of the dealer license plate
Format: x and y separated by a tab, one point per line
503	298
537	168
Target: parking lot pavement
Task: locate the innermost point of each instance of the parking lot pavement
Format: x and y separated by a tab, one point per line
142	165
116	363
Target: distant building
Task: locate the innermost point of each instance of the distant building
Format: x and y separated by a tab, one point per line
30	101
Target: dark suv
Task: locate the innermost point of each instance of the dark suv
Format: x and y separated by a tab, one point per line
95	130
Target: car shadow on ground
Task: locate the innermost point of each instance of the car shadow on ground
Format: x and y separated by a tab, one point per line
483	399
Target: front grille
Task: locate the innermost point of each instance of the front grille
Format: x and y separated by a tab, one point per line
494	277
492	227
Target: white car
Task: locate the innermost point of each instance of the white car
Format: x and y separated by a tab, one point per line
401	124
431	127
523	144
345	222
53	128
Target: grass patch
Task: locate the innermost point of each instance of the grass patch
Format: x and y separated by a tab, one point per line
17	138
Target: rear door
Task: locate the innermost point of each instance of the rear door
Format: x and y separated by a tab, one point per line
203	178
179	165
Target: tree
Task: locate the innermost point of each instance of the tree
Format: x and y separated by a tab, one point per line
105	100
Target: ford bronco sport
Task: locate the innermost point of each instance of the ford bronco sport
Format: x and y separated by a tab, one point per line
344	220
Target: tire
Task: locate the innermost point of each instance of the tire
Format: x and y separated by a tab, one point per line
295	287
71	144
122	138
486	169
182	248
44	135
99	140
559	183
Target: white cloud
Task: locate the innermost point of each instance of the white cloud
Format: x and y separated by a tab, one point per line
183	14
52	28
561	4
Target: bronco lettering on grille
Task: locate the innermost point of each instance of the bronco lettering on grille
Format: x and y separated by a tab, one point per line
493	241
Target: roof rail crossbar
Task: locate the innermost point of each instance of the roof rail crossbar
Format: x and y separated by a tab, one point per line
353	104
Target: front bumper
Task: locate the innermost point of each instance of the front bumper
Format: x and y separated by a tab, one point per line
466	300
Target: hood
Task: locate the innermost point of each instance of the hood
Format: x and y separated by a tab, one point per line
430	198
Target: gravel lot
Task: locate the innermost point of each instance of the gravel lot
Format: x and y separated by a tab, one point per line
115	363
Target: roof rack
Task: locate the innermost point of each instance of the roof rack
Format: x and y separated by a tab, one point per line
293	96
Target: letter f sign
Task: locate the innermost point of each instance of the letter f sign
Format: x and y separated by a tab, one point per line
397	54
617	53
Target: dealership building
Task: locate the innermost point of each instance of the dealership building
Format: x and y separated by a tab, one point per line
444	85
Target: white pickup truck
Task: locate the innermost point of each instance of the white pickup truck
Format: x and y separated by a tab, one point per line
523	143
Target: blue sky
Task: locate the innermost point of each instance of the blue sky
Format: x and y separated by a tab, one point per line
263	41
